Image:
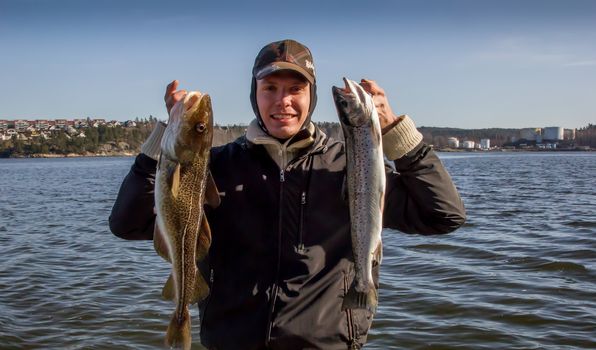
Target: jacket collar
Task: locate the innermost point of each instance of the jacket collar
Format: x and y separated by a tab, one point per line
257	136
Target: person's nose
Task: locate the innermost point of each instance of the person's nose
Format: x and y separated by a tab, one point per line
284	99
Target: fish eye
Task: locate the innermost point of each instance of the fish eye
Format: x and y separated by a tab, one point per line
201	127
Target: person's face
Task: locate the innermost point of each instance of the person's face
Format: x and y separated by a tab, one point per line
283	99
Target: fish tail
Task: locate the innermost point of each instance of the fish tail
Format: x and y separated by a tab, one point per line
178	333
361	300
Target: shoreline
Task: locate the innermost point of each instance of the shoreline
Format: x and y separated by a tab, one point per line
74	155
133	154
504	150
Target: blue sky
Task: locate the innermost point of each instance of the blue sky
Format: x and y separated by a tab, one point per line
450	63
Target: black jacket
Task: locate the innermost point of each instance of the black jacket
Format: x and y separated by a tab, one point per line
281	258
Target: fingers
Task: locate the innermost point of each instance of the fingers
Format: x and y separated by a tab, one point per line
171	88
172	95
371	87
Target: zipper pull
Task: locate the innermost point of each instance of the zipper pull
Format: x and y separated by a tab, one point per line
211	276
303	199
282	177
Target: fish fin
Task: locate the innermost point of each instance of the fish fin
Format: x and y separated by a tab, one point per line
378	253
178	334
160	243
211	193
201	289
359	300
174	179
203	239
169	289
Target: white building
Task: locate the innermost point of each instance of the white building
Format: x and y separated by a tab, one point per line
529	134
553	133
485	143
469	144
453	142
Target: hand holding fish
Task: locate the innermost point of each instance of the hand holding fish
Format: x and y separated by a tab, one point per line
387	118
172	95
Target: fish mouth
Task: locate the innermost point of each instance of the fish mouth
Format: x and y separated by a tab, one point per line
347	89
340	97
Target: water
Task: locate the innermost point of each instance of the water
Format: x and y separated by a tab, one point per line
521	273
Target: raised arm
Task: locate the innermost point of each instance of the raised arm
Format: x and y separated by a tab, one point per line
132	215
420	196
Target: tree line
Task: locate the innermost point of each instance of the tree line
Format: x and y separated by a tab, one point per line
118	139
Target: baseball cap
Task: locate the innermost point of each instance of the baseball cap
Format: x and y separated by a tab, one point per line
284	55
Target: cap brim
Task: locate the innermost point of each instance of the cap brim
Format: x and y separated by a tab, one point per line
279	66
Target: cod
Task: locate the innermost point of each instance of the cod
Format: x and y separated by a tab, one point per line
365	188
183	184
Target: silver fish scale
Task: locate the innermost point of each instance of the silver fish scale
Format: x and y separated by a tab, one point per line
366	183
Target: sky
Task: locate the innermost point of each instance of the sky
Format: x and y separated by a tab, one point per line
446	63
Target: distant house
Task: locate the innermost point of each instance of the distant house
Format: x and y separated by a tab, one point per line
80	123
130	124
97	122
71	130
3	125
21	125
42	124
61	123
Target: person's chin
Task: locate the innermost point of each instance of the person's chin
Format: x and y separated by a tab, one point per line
284	128
280	133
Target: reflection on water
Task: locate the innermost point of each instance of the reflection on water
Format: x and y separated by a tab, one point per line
520	274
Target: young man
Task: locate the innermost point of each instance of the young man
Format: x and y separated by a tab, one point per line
281	256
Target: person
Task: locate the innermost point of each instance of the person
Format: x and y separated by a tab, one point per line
281	257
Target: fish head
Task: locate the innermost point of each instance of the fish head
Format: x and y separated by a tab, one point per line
190	131
354	105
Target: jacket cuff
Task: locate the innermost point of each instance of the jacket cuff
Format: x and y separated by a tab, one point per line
401	139
152	146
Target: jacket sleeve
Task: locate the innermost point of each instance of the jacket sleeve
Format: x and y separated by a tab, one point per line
420	196
132	215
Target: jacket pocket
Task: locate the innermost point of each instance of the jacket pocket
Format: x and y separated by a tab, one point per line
352	343
358	320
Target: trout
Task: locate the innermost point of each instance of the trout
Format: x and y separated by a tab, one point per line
365	188
182	185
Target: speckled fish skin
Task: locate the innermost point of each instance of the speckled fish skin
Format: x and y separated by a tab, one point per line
182	235
365	186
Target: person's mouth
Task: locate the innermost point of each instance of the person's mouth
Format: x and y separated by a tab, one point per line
282	116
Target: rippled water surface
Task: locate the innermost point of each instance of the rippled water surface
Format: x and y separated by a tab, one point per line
521	273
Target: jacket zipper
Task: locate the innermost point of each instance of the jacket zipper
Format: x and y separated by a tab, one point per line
300	248
275	286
